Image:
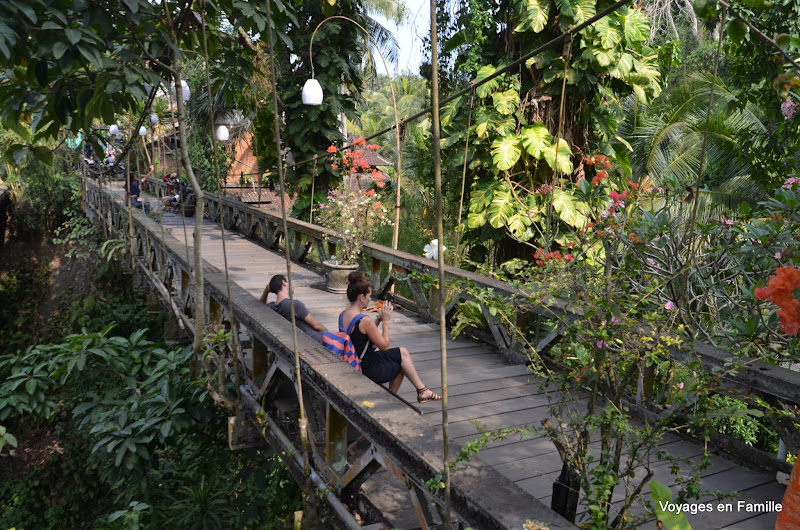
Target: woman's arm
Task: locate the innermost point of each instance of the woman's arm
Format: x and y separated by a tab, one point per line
380	338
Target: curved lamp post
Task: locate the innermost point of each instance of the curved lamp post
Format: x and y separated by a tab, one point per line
312	95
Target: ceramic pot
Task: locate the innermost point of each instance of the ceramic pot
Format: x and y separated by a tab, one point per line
336	275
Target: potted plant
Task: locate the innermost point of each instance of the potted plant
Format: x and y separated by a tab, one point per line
352	212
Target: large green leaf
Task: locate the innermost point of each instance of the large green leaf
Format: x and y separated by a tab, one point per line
506	102
622	67
637	27
487	88
604	56
503	206
534	17
564	157
535	138
518	225
607	33
566	7
566	206
450	110
505	152
672	519
582	10
488	120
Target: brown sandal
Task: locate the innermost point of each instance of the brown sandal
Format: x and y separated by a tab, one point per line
433	397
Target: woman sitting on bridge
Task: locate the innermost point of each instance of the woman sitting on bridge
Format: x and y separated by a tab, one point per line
380	363
305	322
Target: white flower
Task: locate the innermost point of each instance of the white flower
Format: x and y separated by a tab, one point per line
431	250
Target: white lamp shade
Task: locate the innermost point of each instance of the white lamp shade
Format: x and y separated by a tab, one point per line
184	90
142	131
312	93
113	130
154	119
222	133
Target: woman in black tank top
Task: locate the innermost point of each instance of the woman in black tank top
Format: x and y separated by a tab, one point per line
380	362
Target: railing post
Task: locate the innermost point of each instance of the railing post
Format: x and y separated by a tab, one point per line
335	441
260	359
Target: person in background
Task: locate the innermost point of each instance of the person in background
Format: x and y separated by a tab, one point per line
307	323
380	363
135	190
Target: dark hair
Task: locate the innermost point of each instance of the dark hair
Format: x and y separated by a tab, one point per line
357	284
276	283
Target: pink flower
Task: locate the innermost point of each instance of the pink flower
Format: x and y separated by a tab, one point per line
669	306
680	385
788	108
615	320
651	262
600	344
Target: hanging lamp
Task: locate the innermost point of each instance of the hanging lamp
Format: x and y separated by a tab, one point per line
312	92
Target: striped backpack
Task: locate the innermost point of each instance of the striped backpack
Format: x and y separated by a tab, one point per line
339	343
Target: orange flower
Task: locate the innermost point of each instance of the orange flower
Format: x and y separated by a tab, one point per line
359	141
332	149
370	192
380	183
335	166
780	290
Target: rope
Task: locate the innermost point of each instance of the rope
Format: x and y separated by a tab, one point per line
464	173
180	187
549	223
234	333
437	174
303	424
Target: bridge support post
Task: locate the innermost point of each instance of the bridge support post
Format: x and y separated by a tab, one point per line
336	441
421	507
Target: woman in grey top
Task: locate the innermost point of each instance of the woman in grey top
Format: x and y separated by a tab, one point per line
305	322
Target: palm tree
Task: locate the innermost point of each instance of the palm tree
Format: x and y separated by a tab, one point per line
666	140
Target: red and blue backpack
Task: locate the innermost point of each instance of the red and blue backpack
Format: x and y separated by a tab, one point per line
339	342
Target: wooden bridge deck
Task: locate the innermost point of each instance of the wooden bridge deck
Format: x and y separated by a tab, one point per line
483	387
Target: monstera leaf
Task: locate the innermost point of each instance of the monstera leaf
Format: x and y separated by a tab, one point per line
506	102
607	32
485	90
505	152
566	206
564	157
637	26
622	67
534	15
582	10
503	206
450	110
535	138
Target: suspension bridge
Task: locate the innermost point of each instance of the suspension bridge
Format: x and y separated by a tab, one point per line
508	483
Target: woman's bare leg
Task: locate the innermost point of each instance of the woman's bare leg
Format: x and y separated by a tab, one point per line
407	367
394	384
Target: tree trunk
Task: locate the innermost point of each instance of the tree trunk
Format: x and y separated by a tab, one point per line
692	20
199	293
